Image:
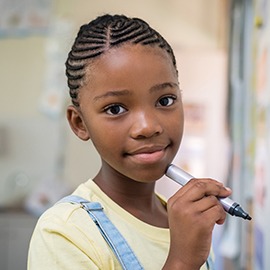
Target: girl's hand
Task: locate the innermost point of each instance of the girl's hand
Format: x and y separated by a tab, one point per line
192	212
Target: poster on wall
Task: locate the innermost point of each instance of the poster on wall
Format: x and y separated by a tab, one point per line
54	95
24	17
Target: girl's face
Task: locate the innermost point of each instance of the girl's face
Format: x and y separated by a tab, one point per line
131	109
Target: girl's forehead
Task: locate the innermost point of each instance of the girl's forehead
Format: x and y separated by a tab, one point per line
131	56
130	50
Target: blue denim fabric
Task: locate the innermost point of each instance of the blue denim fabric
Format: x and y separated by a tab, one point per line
210	263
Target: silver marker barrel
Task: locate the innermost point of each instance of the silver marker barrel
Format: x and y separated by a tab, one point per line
182	177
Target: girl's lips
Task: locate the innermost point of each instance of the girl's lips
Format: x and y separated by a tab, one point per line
148	155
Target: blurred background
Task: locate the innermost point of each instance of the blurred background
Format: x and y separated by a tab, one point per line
222	50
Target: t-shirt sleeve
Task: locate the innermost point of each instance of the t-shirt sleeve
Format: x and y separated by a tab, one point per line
66	238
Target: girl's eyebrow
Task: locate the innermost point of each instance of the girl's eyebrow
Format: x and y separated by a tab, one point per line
161	86
113	93
125	92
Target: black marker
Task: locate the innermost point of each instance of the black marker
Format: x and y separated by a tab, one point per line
182	177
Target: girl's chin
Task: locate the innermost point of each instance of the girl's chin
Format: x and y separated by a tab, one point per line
147	174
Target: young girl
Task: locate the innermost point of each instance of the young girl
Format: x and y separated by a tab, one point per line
124	87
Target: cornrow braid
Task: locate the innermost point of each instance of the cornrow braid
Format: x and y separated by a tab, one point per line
101	34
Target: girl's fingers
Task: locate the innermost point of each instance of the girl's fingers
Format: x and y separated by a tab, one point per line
199	197
196	189
211	209
206	203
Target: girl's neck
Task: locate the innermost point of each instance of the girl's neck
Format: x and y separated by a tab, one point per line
139	199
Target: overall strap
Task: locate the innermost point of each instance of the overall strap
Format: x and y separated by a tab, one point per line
210	263
110	233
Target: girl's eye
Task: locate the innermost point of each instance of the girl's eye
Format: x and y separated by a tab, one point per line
115	109
166	101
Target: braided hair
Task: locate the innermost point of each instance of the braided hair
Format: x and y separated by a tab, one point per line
101	34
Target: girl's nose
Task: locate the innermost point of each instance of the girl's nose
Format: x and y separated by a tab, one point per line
145	125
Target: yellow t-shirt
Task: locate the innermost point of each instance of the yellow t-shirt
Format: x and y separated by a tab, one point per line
66	238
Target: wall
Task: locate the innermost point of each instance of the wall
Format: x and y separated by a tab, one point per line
200	26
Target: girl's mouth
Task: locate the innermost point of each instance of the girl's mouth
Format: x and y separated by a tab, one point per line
148	154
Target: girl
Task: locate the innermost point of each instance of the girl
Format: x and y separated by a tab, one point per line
124	87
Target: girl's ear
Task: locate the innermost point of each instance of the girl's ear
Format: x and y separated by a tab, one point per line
76	123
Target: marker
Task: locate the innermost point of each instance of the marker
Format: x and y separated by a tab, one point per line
181	177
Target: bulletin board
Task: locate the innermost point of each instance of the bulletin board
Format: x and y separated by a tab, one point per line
262	143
